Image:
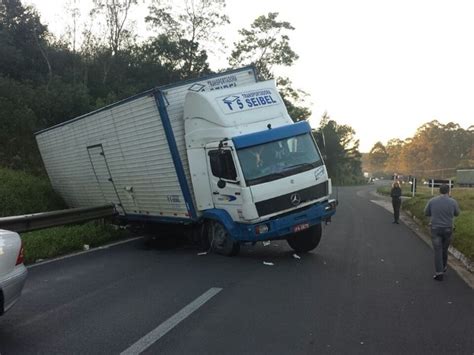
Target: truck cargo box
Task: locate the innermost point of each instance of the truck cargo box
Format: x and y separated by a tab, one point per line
131	153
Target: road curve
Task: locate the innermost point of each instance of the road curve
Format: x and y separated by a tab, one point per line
367	289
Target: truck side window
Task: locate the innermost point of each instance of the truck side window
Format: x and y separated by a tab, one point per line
222	164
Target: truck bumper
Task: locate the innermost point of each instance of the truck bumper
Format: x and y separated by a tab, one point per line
282	227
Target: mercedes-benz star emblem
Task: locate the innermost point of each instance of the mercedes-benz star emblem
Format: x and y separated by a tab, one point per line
295	199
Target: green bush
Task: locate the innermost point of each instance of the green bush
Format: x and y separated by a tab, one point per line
22	193
52	242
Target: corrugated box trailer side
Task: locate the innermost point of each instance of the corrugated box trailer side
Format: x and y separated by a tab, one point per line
465	177
131	153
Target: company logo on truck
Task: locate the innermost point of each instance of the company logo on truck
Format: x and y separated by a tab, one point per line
248	101
225	82
226	198
222	83
295	199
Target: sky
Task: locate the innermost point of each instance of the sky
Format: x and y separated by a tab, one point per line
382	67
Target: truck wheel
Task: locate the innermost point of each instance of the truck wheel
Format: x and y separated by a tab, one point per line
220	241
307	240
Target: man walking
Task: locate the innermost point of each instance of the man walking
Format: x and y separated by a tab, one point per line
442	210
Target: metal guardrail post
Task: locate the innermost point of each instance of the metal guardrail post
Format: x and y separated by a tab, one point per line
30	222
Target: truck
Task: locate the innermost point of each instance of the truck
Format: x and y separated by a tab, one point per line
465	177
218	154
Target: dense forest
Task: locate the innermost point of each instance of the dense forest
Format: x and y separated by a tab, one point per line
45	80
435	151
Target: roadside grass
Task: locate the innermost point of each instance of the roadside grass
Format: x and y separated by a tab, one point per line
22	193
53	242
464	233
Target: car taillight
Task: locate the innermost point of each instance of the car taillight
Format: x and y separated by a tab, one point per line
21	255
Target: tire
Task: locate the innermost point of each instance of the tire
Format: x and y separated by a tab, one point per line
220	241
307	240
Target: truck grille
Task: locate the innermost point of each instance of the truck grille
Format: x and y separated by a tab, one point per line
284	202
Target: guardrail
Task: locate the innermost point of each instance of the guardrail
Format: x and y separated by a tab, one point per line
30	222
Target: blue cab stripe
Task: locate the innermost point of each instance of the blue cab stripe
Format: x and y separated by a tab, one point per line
270	135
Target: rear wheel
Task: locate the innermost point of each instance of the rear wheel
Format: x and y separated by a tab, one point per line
306	240
220	241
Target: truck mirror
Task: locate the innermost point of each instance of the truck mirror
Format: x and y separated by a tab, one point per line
221	184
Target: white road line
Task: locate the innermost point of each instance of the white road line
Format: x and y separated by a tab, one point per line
153	336
105	246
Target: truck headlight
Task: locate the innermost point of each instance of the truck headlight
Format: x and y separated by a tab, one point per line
331	205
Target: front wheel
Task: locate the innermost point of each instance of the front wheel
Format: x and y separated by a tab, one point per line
306	240
220	241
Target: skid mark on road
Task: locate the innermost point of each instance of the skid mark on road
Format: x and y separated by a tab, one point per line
153	336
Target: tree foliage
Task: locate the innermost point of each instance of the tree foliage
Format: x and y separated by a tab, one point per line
45	80
378	157
340	150
188	30
22	39
436	149
267	45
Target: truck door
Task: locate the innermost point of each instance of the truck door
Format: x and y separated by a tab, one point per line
103	176
225	181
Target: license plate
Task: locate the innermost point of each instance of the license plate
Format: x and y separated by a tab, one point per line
300	227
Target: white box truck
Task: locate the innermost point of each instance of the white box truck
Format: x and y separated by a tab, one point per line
465	177
220	153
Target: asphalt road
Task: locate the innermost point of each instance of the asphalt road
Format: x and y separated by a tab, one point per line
367	289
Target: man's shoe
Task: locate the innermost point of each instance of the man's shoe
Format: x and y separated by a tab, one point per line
438	277
445	268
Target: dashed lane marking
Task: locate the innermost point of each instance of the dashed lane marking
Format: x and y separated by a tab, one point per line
153	336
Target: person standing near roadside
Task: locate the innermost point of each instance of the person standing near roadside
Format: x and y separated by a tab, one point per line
396	194
442	210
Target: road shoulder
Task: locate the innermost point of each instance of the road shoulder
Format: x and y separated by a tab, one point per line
458	262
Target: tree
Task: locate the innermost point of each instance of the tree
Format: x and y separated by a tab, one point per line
340	150
189	31
170	55
393	163
436	150
22	43
426	152
116	14
266	45
294	100
378	157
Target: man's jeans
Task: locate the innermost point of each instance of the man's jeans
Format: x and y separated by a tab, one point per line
441	237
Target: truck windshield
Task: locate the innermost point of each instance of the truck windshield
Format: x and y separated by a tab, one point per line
278	159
